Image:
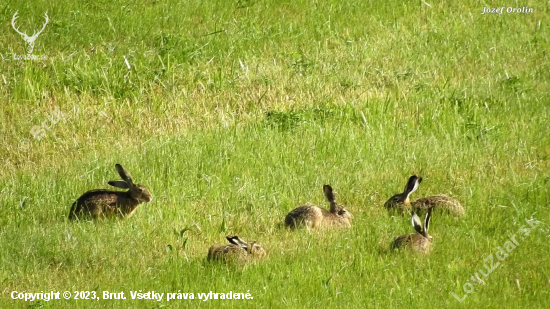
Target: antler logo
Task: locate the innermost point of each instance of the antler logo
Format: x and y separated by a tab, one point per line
29	40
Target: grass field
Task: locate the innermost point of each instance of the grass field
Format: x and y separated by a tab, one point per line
232	113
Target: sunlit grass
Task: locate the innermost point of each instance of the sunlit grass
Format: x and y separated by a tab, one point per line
236	112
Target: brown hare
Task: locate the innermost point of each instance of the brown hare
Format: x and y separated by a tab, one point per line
402	204
313	216
421	241
98	204
237	251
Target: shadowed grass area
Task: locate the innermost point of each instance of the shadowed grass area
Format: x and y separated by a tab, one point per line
233	113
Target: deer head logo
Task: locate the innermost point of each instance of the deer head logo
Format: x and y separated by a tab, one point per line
29	40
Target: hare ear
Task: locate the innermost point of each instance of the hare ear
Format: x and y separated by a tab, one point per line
232	239
415	221
240	242
119	184
427	220
329	194
412	184
236	240
124	174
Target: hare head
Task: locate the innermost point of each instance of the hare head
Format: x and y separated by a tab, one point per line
403	198
335	208
252	248
137	192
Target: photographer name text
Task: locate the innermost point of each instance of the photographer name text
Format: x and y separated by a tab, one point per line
510	10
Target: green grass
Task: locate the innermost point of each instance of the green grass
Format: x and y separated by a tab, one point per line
234	113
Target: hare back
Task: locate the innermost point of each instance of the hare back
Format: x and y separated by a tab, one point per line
308	215
103	204
440	201
415	242
226	252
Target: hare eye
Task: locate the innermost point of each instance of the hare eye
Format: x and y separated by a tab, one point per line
140	190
